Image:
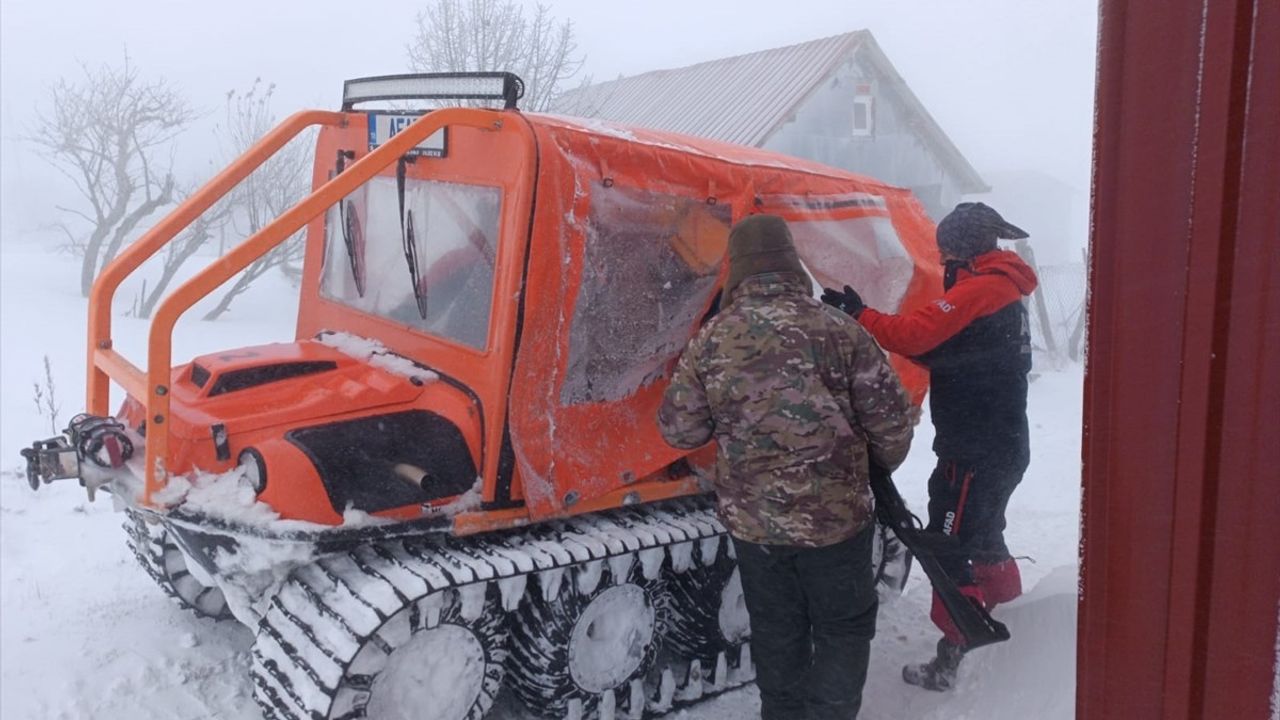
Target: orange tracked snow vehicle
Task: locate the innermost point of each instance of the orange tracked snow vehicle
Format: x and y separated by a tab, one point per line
452	481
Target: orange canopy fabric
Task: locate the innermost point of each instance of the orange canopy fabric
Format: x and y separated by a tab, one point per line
626	254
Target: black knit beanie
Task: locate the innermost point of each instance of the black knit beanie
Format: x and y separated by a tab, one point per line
972	229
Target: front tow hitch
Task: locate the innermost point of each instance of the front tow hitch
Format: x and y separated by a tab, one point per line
88	442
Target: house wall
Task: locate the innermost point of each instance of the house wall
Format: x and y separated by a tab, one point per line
821	129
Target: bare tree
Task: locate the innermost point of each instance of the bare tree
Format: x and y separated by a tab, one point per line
108	132
178	251
263	196
493	35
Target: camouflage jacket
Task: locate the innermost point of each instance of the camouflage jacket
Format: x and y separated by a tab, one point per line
796	395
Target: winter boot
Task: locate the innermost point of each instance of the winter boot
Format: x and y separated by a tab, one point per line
939	674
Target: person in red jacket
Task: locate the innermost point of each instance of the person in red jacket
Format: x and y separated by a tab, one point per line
975	341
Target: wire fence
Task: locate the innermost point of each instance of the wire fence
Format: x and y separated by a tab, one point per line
1057	332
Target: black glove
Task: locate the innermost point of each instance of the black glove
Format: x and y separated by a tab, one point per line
847	300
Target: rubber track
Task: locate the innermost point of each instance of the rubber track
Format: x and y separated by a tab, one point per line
149	548
331	612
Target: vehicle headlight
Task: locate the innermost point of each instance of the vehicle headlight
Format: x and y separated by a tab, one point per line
254	469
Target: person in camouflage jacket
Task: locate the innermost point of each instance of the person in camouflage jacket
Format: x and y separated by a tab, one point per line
799	399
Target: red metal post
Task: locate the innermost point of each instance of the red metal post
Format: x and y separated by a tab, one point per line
1181	559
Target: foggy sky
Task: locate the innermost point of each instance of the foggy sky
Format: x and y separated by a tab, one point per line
1011	81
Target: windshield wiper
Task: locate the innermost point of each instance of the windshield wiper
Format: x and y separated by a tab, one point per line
411	256
353	237
410	241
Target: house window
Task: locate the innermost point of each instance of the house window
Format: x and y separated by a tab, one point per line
864	119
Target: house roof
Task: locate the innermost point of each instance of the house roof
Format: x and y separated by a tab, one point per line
744	99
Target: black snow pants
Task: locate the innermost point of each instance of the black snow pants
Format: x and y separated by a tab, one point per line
969	500
813	614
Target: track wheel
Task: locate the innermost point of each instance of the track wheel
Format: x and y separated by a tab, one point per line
451	671
709	621
582	646
160	556
337	646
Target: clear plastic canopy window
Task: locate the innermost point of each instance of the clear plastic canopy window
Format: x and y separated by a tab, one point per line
649	268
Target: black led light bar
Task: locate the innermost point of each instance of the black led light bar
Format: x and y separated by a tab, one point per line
504	86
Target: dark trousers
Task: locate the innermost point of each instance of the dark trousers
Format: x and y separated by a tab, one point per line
813	614
969	501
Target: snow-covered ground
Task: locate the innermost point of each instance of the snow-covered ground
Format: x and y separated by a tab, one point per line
84	633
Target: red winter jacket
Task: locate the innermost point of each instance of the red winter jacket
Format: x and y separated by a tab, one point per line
976	343
997	278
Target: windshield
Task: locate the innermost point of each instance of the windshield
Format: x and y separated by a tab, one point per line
447	240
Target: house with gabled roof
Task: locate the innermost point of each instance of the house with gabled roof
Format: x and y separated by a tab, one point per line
838	101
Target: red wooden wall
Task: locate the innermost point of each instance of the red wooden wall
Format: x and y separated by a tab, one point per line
1181	555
